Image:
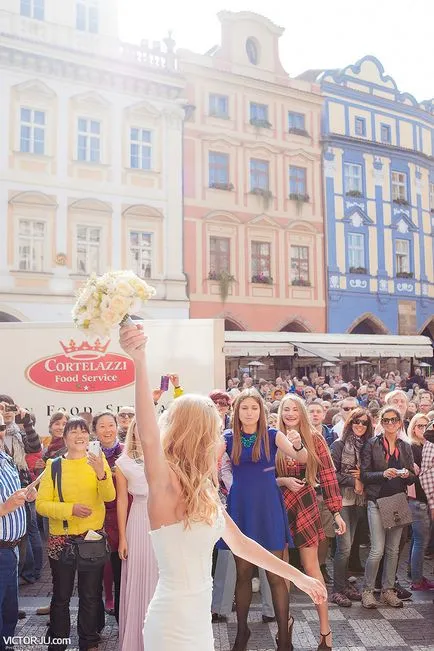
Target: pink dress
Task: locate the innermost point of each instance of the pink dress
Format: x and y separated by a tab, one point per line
139	572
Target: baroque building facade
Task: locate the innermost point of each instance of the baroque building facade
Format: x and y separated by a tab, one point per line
379	202
253	210
90	159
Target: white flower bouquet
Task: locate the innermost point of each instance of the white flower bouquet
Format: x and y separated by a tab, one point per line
107	301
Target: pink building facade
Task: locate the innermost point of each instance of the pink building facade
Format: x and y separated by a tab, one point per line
253	211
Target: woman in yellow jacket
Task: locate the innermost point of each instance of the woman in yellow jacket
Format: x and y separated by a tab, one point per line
86	483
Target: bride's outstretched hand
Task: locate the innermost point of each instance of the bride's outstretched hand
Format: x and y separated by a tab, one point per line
312	587
133	341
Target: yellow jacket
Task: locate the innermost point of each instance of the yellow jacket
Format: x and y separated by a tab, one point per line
80	485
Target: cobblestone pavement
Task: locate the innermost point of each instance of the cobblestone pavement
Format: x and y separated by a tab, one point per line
354	629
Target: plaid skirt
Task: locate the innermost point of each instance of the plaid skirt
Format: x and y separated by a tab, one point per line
303	517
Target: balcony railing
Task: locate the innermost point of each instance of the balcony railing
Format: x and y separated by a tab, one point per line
155	55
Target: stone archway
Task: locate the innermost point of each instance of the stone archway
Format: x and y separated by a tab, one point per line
231	325
295	326
367	324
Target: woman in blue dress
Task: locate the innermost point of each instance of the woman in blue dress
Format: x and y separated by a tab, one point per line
255	503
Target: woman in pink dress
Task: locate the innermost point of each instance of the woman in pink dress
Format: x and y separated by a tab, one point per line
139	574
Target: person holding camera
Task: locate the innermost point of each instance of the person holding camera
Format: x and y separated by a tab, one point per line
72	494
386	469
12	530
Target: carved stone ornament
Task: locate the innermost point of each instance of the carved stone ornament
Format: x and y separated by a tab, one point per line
61	259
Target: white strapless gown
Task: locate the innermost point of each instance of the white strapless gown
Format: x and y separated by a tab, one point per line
179	615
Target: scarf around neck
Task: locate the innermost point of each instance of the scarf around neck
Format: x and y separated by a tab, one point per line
350	460
14	446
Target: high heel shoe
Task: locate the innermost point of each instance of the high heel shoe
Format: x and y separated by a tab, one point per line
323	646
290	629
236	647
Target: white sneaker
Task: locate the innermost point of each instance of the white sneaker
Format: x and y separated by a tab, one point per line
256	584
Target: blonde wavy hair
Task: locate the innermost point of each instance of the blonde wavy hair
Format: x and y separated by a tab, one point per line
191	436
308	437
412	425
132	445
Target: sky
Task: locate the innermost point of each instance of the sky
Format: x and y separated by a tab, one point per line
318	33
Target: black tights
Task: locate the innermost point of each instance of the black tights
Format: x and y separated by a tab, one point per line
243	598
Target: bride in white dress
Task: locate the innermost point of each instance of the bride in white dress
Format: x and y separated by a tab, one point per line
185	514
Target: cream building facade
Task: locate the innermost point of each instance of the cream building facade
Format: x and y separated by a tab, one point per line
90	159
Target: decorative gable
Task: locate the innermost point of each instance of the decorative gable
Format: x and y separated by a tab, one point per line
403	224
356	216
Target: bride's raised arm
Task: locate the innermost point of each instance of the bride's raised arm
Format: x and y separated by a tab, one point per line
133	341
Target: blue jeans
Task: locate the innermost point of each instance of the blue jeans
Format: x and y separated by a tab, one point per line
8	595
383	542
351	516
419	541
34	555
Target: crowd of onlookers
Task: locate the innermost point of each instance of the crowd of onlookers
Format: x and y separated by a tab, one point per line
369	439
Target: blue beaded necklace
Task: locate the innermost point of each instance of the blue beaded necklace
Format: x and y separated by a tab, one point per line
248	439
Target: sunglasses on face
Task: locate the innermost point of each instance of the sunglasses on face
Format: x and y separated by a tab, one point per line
391	421
221	403
347	408
357	421
126	415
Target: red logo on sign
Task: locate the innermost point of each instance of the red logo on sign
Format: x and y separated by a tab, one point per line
82	368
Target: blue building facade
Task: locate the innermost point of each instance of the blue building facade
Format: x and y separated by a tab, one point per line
379	203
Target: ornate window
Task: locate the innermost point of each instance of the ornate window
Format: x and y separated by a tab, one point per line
88	250
89	140
140	149
31	245
259	174
218	168
300	265
353	178
261	261
220	255
86	18
141	253
32	131
33	9
402	256
356	251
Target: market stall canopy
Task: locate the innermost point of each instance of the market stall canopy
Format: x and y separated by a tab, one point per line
328	347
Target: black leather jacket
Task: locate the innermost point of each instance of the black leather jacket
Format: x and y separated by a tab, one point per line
373	464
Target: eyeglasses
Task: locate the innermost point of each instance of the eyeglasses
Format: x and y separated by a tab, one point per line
126	415
222	403
420	426
391	421
357	421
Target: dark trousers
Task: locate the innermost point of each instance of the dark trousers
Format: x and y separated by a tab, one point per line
89	599
8	595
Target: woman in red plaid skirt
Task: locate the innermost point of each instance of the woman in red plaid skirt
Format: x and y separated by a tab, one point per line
298	482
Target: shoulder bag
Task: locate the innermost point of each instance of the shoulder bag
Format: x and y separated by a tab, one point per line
88	554
394	511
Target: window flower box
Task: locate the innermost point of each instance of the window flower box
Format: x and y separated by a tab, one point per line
262	124
358	270
228	187
354	193
300	282
405	274
298	132
224	279
296	196
262	280
401	202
